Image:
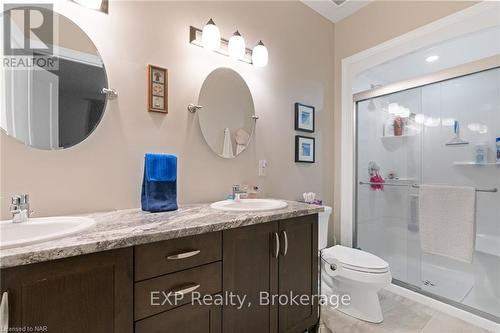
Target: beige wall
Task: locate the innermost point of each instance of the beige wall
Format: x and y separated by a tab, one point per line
105	171
376	23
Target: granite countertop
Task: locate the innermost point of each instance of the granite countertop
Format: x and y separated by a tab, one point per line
129	227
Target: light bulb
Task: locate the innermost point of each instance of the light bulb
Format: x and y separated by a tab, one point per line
210	37
93	4
236	46
432	58
260	55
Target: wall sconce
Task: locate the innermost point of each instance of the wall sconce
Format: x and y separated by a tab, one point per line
210	36
235	48
259	55
100	5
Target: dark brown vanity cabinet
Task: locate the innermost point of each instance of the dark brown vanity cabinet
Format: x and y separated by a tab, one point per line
298	273
250	267
277	258
90	293
111	291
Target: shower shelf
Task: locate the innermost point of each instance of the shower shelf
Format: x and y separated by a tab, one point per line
397	136
476	164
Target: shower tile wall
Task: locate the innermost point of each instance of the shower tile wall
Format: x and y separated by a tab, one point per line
385	221
474	100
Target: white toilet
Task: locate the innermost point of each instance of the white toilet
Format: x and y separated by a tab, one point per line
360	274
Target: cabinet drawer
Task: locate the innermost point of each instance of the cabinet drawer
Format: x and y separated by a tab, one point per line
150	295
187	318
169	256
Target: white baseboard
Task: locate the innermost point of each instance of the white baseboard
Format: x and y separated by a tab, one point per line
445	308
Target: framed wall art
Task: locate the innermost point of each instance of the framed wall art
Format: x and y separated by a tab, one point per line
157	89
304	118
305	149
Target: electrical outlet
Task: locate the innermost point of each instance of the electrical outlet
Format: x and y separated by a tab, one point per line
262	168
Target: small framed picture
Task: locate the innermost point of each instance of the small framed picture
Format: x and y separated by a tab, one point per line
157	89
304	118
158	103
304	149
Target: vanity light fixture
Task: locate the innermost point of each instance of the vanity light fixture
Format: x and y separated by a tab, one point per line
100	5
259	55
236	46
210	37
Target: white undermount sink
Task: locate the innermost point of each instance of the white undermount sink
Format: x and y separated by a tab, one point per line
249	205
38	230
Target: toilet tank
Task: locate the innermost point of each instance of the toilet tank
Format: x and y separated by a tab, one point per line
323	219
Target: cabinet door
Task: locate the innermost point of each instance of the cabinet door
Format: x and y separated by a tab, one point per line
89	293
187	318
298	272
249	268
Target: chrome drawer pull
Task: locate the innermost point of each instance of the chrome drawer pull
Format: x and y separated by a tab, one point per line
183	255
285	240
4	313
276	245
187	290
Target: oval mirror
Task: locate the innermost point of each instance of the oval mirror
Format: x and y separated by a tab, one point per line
227	116
52	95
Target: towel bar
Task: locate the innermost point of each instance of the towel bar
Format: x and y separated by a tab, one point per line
490	190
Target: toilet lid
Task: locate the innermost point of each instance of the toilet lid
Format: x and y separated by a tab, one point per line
356	259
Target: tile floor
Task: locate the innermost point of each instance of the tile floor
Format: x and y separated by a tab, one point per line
401	315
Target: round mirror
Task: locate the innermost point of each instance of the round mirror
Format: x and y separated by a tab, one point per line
227	117
52	84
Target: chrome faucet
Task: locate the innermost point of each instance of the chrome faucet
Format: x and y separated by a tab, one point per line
20	208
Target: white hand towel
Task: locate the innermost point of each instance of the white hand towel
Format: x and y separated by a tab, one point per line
447	221
227	147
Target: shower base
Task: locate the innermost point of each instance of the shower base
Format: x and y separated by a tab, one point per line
456	285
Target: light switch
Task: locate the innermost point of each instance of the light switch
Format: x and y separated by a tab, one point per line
262	168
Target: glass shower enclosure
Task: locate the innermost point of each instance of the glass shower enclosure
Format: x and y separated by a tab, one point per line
429	131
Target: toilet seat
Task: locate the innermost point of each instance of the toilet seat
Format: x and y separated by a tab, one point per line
355	260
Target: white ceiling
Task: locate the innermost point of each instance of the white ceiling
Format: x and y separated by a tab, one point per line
334	12
454	52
